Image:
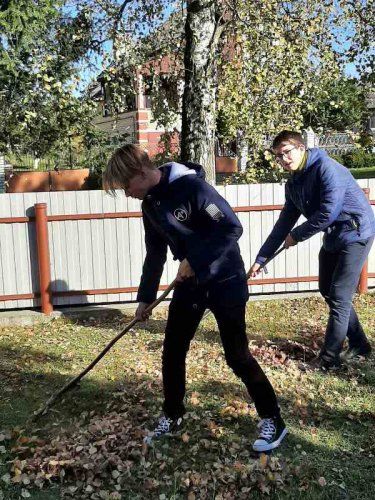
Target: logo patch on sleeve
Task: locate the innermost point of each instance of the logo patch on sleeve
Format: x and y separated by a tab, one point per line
214	212
180	214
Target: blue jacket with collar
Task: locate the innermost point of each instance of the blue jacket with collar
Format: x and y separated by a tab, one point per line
327	194
187	214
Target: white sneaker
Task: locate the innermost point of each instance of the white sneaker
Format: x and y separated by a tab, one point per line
272	432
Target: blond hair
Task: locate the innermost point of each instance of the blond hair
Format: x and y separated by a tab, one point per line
125	163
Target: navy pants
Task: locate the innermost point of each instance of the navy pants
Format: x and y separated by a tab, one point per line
338	279
185	312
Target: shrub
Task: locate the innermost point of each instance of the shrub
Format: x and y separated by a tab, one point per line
263	169
359	158
169	149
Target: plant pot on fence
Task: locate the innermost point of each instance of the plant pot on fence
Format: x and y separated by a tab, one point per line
226	164
63	180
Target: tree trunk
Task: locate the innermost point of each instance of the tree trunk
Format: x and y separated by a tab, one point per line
199	98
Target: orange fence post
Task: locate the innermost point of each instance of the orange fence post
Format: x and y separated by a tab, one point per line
363	279
41	224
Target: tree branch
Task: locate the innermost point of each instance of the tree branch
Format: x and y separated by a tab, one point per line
121	10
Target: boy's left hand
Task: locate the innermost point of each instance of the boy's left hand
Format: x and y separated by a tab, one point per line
289	242
185	271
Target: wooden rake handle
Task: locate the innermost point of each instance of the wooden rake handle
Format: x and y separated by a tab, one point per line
76	379
263	265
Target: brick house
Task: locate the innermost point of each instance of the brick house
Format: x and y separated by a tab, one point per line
135	121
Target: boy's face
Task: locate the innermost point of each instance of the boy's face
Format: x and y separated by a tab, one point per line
289	155
139	185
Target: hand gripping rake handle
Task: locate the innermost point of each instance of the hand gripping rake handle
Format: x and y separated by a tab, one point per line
268	260
75	380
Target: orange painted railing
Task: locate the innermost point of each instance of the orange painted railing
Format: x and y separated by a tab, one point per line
41	224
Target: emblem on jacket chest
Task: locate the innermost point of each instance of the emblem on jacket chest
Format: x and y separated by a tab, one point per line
180	214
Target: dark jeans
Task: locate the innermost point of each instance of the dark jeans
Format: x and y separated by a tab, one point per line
338	279
185	312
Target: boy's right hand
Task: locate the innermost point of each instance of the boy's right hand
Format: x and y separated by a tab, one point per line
254	270
140	313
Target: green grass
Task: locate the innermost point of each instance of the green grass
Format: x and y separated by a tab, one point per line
90	444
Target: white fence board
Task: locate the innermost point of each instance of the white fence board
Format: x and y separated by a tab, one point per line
21	249
256	231
136	242
110	249
58	245
8	264
100	254
123	242
244	217
85	248
29	199
98	248
72	248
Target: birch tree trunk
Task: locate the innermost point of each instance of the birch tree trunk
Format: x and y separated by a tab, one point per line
199	97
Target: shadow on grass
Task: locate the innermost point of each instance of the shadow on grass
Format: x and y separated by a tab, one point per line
96	317
298	347
113	318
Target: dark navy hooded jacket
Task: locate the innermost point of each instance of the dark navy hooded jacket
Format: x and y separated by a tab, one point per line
327	194
187	214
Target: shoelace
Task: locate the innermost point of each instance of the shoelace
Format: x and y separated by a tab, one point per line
163	426
267	428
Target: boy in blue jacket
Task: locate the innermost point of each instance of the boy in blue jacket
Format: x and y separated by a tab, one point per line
182	211
328	196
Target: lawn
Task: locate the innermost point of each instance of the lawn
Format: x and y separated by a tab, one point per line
89	445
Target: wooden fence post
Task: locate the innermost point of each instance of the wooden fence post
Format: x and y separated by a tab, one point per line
41	225
363	279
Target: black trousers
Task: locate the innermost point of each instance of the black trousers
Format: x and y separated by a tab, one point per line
338	279
185	312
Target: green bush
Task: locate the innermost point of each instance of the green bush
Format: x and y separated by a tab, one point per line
168	149
264	169
95	150
258	171
359	158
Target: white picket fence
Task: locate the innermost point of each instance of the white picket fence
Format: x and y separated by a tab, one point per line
2	174
108	253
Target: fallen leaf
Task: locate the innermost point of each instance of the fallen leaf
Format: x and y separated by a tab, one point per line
263	459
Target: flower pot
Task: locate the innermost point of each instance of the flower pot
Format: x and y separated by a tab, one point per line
226	164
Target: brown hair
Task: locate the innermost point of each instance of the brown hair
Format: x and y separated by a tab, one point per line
287	136
125	163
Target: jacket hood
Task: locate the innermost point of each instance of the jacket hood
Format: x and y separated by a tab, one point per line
315	155
173	170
